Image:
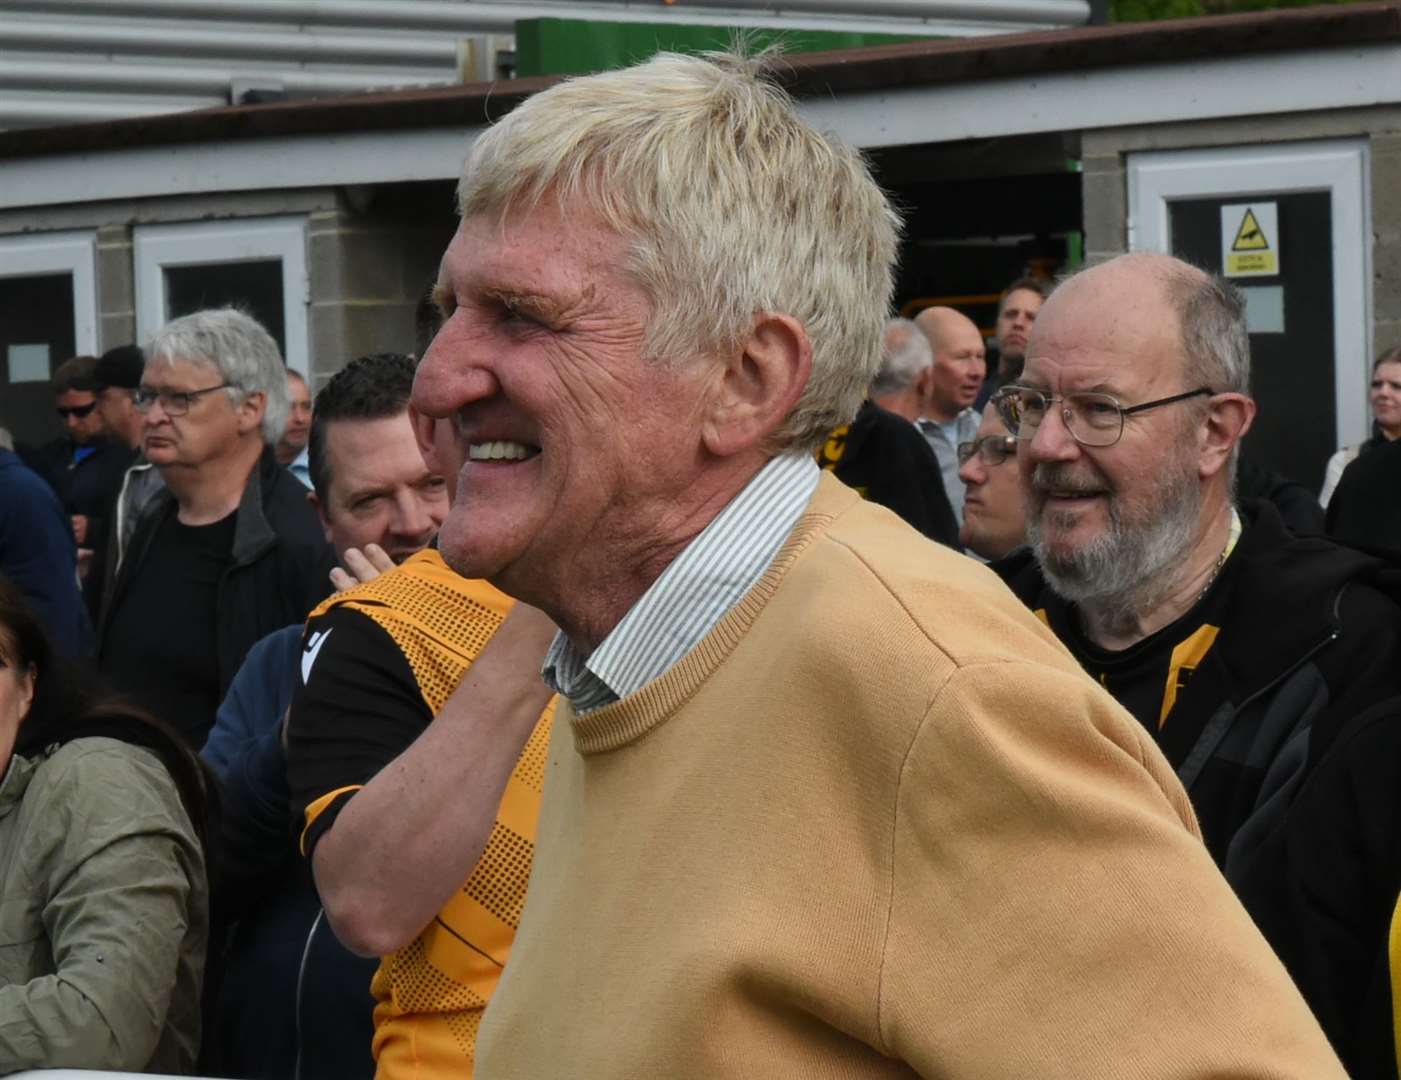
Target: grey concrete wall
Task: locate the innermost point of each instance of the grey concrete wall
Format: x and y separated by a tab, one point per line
116	291
1386	238
369	278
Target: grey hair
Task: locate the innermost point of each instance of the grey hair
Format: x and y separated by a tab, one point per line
905	354
732	206
1215	340
236	345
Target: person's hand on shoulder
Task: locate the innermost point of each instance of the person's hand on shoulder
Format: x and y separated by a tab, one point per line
361	567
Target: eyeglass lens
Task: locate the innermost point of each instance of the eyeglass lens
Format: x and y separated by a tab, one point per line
1092	419
992	449
78	411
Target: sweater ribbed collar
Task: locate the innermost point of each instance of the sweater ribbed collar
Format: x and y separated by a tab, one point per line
627	720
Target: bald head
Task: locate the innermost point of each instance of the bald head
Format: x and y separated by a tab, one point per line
959	364
1146	294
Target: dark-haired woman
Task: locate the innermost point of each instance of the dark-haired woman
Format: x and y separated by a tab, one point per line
103	895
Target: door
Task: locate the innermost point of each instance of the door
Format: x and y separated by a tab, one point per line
1310	307
1290	314
48	313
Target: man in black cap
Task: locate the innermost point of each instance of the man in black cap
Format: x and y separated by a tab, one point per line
116	378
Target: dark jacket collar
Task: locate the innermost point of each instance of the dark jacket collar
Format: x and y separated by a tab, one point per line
253	533
1283	602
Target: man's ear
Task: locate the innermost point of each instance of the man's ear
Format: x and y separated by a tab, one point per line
758	385
250	411
1228	418
924	384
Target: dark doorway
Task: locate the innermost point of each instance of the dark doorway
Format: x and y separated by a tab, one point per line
1292	363
255	286
36	316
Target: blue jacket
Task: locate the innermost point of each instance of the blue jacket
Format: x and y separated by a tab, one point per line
38	554
291	992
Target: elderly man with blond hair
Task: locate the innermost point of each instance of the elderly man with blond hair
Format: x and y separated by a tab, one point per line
822	797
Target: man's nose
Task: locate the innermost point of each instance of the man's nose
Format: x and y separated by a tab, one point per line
971	472
1052	440
411	517
451	376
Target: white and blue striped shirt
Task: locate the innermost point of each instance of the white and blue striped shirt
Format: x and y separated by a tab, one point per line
693	594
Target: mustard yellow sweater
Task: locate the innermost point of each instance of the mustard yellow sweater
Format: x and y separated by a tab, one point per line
879	824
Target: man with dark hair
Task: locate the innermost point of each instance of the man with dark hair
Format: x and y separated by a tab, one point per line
86	465
369	484
1016	312
1246	653
378	505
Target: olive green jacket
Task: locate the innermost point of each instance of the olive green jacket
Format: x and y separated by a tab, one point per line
103	913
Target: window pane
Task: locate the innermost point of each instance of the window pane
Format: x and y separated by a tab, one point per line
255	286
35	311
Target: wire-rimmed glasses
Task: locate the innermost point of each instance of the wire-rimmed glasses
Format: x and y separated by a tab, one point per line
1092	418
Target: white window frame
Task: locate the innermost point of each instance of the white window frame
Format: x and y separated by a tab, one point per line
73	253
1342	167
156	247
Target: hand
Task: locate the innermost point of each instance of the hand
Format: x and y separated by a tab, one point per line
360	567
80	529
84	562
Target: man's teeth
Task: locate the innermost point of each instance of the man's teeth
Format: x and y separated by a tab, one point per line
498	451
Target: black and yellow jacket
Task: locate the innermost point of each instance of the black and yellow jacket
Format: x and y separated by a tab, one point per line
1278	739
378	663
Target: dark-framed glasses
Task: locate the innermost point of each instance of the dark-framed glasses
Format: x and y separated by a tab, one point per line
173	402
76	411
1093	419
992	449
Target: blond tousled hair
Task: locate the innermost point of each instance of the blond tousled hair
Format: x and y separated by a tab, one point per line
732	206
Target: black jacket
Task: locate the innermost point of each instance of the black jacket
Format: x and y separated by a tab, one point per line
1275	737
1366	506
278	572
887	460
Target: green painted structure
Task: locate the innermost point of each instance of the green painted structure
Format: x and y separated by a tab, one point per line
580	47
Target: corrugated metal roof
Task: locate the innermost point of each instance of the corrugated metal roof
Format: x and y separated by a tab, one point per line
889	67
71	61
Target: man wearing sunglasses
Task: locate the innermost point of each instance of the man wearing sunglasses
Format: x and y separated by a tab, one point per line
85	465
1250	655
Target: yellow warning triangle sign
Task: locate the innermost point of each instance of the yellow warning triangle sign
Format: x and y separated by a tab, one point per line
1249	237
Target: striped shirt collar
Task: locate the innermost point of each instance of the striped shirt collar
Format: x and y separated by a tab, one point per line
692	594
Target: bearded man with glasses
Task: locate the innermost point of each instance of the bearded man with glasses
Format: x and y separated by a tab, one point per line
1251	656
230	550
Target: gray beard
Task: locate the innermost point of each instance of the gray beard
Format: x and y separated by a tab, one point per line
1127	572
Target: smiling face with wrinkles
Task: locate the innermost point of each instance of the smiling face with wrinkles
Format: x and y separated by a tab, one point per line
574	452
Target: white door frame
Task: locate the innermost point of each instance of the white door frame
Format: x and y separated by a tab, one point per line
156	247
73	253
1339	166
